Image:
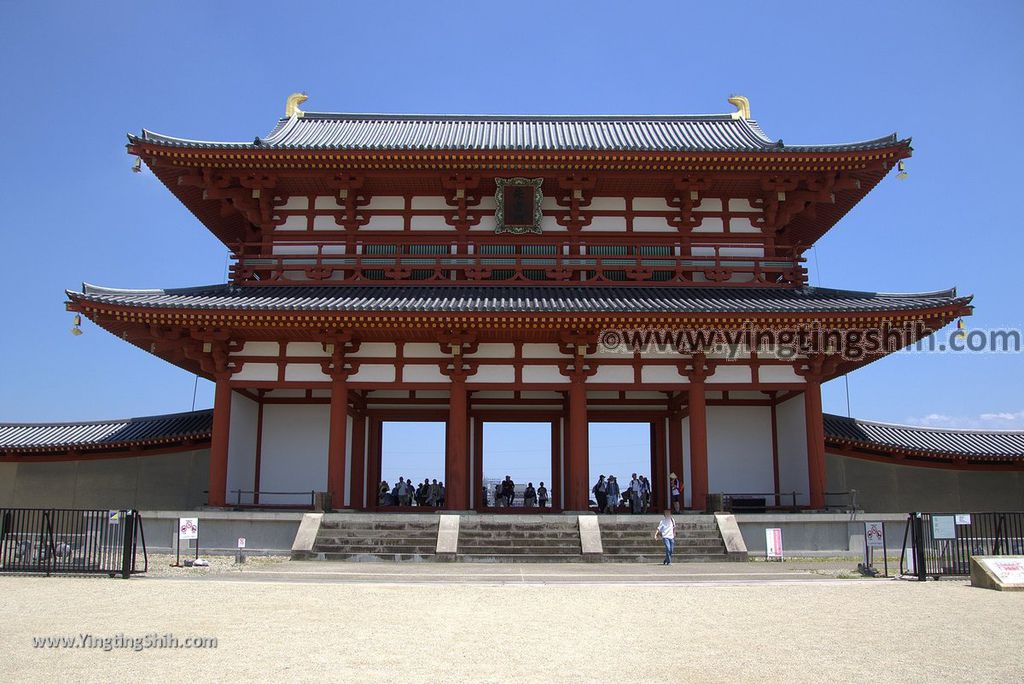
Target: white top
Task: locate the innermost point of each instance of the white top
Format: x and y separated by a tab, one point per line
667	528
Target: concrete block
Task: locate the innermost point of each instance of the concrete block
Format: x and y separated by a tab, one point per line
1002	573
305	537
590	537
735	547
447	537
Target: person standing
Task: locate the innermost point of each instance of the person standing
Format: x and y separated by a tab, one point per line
634	494
667	531
530	496
645	494
612	492
542	495
440	494
675	490
600	491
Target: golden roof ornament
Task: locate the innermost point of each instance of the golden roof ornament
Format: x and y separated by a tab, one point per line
291	106
742	106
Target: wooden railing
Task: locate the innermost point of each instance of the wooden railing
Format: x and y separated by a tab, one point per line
330	264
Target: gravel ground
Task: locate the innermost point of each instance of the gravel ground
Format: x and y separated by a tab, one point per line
818	630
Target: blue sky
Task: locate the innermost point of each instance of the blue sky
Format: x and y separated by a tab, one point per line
78	76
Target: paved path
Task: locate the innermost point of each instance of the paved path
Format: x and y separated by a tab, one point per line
528	573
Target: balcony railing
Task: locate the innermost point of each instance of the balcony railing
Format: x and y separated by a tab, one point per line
382	264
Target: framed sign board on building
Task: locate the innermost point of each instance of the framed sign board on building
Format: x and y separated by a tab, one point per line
517	205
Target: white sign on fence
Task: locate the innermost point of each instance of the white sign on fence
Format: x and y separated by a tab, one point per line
874	534
963	518
943	527
241	542
114	517
188	528
773	543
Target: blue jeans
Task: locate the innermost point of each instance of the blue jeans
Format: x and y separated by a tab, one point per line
670	545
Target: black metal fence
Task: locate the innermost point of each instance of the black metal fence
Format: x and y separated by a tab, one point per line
941	544
68	541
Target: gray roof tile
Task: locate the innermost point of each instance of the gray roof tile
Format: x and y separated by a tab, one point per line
519	299
105	433
948	442
654	133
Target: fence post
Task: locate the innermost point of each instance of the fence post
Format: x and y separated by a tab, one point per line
919	560
128	532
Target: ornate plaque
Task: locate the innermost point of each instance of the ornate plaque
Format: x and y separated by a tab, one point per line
518	205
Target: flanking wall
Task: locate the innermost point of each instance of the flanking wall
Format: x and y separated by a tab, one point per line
154	482
888	487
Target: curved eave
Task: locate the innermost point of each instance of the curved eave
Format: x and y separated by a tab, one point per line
328	132
689	302
150	435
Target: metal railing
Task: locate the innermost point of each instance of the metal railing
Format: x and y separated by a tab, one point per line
942	544
756	502
69	541
329	263
258	498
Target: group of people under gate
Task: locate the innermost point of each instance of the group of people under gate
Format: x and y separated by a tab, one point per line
505	495
427	493
611	497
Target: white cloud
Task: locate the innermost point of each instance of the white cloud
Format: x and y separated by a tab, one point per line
1000	420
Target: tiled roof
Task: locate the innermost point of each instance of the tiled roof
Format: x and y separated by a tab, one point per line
105	434
654	133
982	444
519	299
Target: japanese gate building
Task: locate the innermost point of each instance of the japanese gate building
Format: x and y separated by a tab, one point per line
499	268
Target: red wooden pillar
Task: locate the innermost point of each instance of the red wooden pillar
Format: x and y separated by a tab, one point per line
219	440
659	471
374	440
675	449
815	441
338	440
358	484
577	465
456	467
698	446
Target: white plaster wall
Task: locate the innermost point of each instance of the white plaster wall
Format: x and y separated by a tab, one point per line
778	374
546	374
493	374
257	371
616	374
424	373
499	350
730	373
792	432
306	349
305	372
740	449
242	446
374	373
294	454
376	350
659	374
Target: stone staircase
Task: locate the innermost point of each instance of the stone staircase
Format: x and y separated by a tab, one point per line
519	539
376	538
630	539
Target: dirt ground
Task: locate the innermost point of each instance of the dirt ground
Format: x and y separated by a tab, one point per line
297	626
